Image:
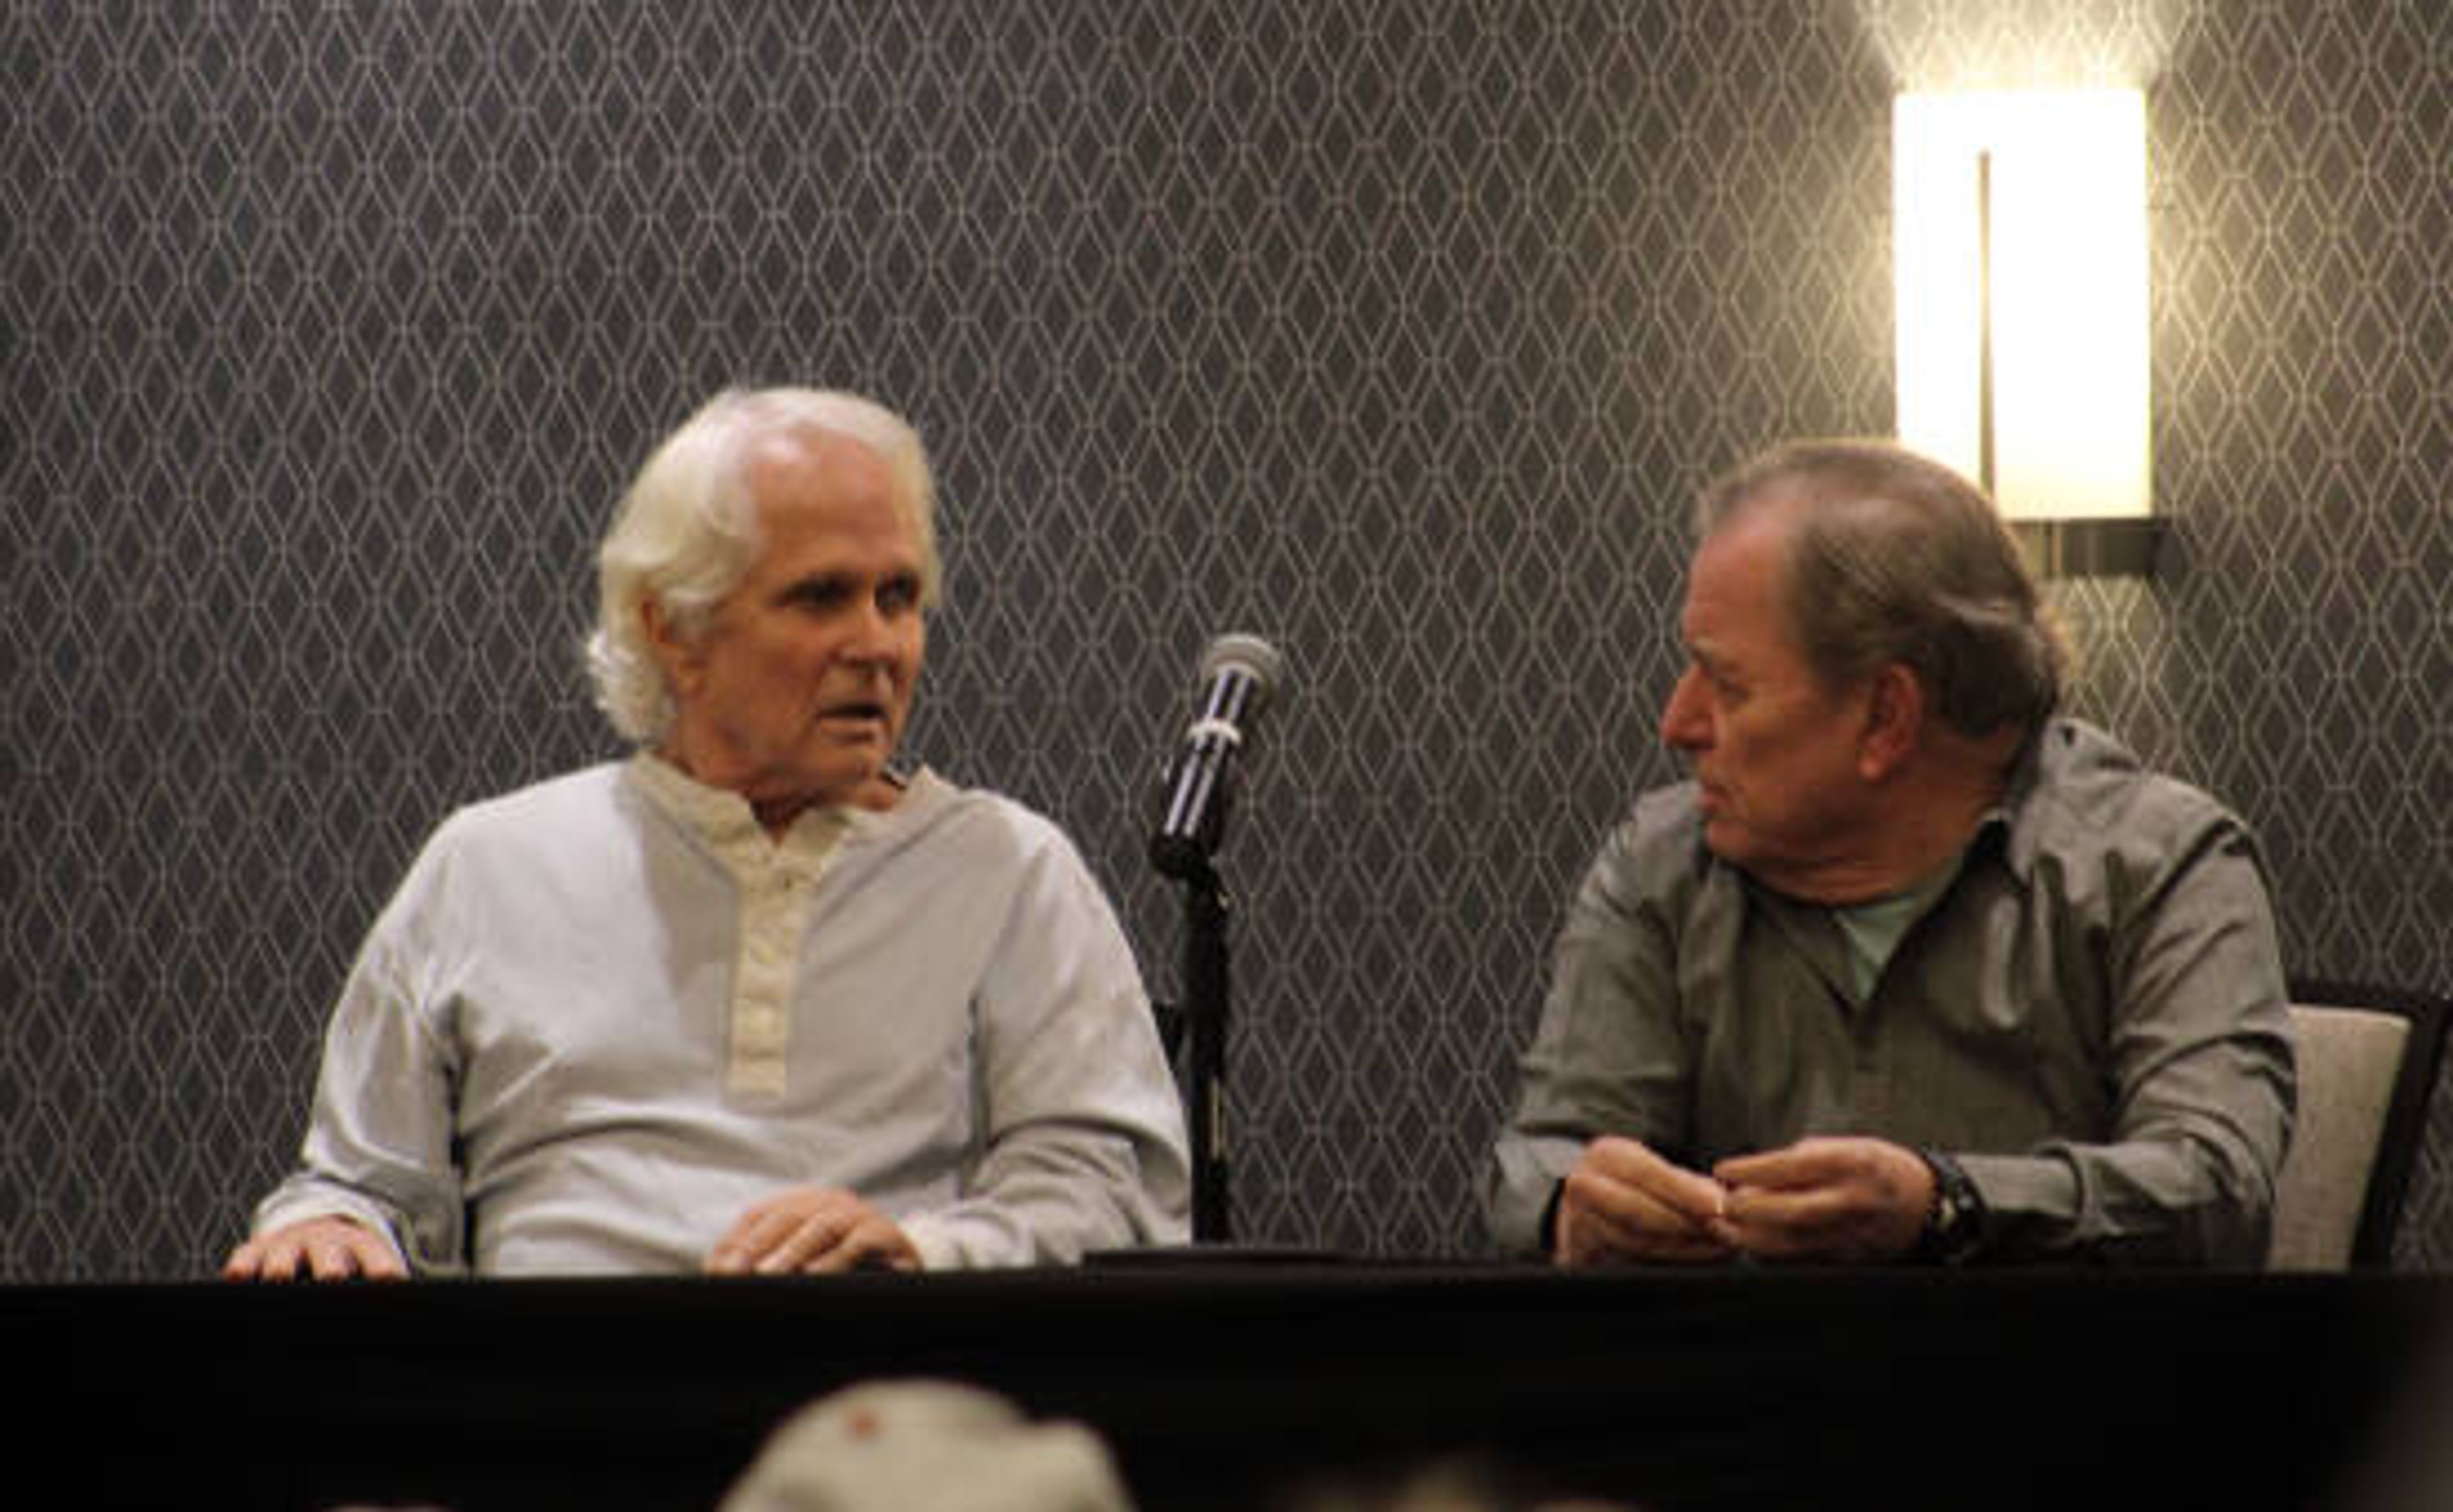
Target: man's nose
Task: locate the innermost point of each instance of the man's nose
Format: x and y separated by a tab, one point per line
871	633
1683	722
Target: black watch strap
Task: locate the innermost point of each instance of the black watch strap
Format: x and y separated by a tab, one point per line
1954	1226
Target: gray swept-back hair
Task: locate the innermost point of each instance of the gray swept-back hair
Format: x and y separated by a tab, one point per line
1893	557
687	532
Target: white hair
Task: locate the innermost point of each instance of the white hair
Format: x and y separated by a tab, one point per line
687	532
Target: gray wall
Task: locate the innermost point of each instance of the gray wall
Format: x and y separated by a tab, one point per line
1397	332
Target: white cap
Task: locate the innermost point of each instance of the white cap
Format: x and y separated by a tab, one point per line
927	1446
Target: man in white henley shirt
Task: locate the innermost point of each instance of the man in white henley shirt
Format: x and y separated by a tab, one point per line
751	1001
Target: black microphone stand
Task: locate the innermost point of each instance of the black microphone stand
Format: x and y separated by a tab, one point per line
1203	1020
1199	788
1204	1009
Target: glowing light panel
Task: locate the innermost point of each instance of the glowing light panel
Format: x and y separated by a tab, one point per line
2019	226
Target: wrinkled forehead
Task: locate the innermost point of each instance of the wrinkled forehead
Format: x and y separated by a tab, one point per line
1739	589
803	463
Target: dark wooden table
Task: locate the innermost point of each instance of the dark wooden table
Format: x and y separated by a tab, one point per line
1235	1386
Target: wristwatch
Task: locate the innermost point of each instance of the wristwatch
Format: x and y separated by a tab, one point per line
1954	1226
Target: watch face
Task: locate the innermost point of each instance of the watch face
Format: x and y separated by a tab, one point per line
1957	1213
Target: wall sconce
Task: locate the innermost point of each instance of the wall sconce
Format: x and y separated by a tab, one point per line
2019	226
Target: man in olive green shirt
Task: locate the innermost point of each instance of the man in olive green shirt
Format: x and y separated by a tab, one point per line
1912	967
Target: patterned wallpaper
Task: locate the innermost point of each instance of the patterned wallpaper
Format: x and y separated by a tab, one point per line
1396	332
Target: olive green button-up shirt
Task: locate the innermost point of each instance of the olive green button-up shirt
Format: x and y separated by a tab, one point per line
2091	1018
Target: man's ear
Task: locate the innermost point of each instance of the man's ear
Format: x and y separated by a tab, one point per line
1894	721
676	654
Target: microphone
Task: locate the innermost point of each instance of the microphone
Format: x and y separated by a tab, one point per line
1237	673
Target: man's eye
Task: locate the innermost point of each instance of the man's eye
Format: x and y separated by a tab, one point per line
1714	678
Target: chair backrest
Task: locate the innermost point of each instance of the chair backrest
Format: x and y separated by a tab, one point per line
2369	1059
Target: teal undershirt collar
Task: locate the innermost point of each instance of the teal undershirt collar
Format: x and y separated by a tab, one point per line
1875	929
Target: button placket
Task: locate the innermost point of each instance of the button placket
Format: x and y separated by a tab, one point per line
779	890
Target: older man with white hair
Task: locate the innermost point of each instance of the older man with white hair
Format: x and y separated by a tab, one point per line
754	1000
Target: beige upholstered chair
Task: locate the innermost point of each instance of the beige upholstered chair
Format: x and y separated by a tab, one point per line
2368	1062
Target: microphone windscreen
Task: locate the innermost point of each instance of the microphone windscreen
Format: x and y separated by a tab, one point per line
1249	654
